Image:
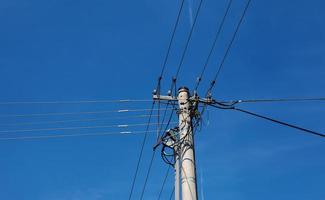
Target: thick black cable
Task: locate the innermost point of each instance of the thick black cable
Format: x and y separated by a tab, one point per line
228	48
272	120
141	152
172	38
164	182
273	100
148	174
187	44
280	122
213	44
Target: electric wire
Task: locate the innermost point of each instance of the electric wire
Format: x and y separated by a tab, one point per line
153	155
141	152
280	122
164	182
228	48
76	120
273	120
77	128
75	135
187	44
273	100
75	102
172	194
76	113
213	44
148	174
172	38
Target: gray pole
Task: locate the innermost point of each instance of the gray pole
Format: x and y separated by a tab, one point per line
176	166
187	161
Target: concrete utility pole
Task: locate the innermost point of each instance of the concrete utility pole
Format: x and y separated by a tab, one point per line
187	157
177	177
184	148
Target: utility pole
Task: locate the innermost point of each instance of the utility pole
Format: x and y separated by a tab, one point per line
187	157
177	174
182	144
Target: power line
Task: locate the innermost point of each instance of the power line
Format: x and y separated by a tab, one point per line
141	152
76	113
229	47
187	42
280	122
75	102
164	182
76	120
171	39
273	100
172	194
78	127
273	120
148	174
213	44
76	135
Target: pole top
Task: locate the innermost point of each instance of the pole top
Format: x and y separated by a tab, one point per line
183	89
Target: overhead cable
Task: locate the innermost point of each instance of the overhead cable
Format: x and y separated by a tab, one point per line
172	38
148	174
76	120
273	100
75	135
77	127
228	48
164	182
76	113
75	102
187	44
141	153
272	120
280	122
213	44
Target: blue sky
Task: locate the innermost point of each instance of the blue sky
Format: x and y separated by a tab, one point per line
84	50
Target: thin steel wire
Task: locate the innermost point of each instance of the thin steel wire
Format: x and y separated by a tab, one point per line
75	102
78	127
76	113
76	135
76	120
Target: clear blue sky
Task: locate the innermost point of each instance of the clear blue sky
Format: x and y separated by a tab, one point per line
84	50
